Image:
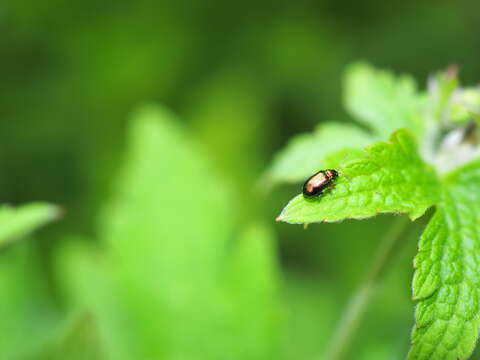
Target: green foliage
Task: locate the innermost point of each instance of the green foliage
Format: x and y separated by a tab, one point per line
441	90
309	319
218	112
382	101
18	222
79	341
87	285
76	340
25	309
446	281
466	106
393	177
376	98
250	297
306	153
390	178
177	281
244	79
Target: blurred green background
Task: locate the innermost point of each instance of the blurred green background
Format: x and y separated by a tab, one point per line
167	250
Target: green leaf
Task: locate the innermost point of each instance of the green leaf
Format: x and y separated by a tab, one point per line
167	225
447	276
76	340
80	341
162	284
305	154
382	101
391	178
20	221
336	159
251	292
312	312
466	105
220	107
87	284
26	307
441	89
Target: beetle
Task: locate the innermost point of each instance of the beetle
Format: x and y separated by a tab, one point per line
318	182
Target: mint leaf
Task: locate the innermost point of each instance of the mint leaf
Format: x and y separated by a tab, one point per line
336	159
447	277
26	307
382	101
171	237
465	105
20	221
251	292
86	281
305	153
392	178
441	89
161	289
78	339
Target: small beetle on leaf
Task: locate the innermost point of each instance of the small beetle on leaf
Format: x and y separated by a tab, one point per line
318	182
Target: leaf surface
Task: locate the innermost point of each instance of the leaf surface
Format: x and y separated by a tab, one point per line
251	290
26	307
16	222
78	339
381	100
447	276
391	178
305	154
168	232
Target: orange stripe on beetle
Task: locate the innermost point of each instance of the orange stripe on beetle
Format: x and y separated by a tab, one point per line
318	182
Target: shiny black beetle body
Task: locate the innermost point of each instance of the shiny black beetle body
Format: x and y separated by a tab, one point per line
318	182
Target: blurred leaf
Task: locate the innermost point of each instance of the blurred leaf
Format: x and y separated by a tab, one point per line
87	285
446	281
305	154
382	101
336	159
167	228
311	312
18	222
441	89
392	178
252	293
168	231
25	308
466	105
78	340
27	313
229	116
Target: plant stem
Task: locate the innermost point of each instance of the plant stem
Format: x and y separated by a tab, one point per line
360	300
